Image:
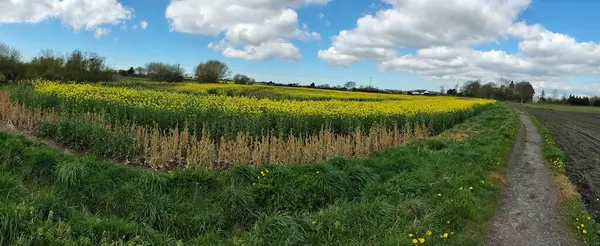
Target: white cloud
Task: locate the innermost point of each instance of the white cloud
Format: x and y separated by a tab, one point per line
78	14
144	25
124	27
99	32
321	16
443	37
257	29
134	27
422	24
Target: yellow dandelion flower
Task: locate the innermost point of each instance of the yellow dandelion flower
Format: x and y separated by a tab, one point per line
429	233
584	232
582	225
410	235
589	218
415	241
421	240
262	173
314	222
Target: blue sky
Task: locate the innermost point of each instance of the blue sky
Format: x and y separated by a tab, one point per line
404	44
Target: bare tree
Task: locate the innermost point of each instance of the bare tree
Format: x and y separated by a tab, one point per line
139	71
243	79
350	85
525	91
11	67
211	71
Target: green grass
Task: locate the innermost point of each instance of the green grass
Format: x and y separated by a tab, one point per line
585	109
442	185
571	208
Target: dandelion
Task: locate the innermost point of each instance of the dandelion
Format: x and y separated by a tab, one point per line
429	233
415	241
471	188
314	222
267	170
262	173
582	225
589	218
584	231
445	235
410	235
422	240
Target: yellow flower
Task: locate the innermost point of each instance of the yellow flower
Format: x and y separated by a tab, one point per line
445	235
267	170
471	188
582	225
429	233
421	240
410	235
262	173
584	232
415	240
314	222
589	218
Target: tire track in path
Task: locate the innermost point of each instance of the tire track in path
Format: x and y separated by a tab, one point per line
527	215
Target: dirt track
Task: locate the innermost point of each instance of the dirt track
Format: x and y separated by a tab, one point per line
578	135
527	215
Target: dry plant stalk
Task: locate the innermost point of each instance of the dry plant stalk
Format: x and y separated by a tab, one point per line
178	148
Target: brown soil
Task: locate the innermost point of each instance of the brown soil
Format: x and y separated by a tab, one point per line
578	135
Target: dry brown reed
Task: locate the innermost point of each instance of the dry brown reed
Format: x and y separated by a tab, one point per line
178	148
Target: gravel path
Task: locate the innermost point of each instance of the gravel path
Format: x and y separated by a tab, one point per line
527	215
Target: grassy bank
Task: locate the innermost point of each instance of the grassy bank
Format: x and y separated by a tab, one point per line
573	213
442	191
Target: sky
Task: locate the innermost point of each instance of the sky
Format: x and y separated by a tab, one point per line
393	44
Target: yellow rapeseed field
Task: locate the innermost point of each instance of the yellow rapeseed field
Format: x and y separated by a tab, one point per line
150	99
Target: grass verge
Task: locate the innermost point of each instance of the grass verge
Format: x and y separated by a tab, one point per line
440	191
570	108
572	211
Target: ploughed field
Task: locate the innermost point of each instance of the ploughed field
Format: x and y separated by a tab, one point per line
578	135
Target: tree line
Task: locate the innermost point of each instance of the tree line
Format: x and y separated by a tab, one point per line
79	66
569	100
503	89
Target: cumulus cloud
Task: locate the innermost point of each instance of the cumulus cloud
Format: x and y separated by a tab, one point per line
143	25
78	14
422	24
99	32
443	36
254	30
